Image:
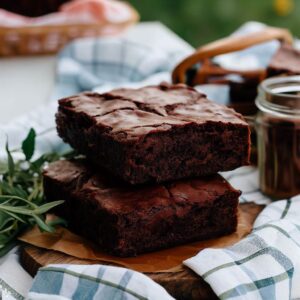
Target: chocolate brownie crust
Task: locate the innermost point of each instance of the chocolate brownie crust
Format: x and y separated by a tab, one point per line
126	220
285	61
156	133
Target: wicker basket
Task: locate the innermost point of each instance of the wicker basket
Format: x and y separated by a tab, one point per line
226	45
36	40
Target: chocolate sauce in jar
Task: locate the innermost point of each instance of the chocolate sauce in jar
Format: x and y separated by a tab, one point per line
278	136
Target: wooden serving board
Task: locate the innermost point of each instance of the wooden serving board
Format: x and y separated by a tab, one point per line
181	284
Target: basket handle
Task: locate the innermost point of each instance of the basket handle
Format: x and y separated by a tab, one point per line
227	45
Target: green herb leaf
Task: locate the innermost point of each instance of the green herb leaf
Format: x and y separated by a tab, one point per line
38	163
5	219
42	224
28	145
3	167
8	228
22	203
16	217
7	247
10	161
11	197
46	207
57	221
11	190
22	210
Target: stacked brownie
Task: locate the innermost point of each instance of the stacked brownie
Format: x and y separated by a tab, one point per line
149	179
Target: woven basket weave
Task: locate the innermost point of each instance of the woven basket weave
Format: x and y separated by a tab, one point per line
33	40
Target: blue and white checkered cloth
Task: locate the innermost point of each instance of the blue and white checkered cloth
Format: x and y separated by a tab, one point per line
109	62
79	282
265	265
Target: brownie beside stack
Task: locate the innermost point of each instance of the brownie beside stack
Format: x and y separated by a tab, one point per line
285	62
142	187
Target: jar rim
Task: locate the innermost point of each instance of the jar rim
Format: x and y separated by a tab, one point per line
274	95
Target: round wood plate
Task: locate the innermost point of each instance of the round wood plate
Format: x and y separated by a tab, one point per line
181	284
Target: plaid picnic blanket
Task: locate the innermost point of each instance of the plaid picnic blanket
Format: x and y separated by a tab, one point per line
93	282
264	265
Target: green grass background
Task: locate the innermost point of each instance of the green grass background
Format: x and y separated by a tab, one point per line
201	21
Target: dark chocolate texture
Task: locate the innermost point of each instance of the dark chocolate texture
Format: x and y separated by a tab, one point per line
285	61
156	133
126	220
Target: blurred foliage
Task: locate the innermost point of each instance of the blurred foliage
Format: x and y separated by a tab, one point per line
201	21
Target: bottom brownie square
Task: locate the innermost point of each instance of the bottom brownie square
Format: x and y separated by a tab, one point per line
126	220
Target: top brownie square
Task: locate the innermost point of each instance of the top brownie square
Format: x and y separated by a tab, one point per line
155	133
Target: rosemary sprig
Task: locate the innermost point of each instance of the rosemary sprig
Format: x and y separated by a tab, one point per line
22	202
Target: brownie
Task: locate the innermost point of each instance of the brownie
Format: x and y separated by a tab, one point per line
242	93
127	220
285	61
155	133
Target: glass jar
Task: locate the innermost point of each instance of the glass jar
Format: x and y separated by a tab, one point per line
278	136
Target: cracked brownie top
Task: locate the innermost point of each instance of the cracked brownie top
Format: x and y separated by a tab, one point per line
131	113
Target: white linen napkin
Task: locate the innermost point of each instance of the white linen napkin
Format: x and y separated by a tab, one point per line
15	282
